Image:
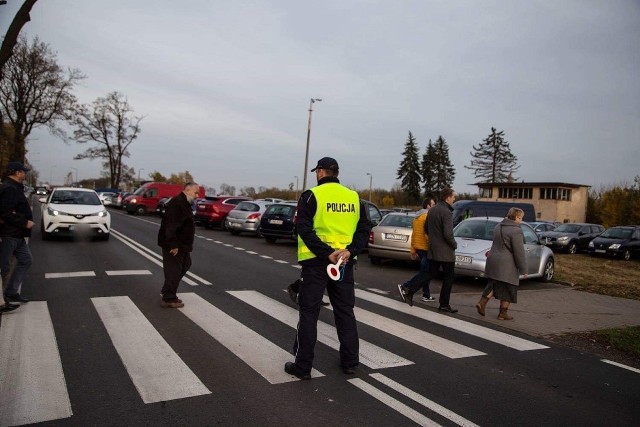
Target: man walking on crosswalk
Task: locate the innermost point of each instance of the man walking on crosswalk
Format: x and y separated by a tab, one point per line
177	231
332	225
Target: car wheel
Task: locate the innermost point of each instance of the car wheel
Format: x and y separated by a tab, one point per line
258	232
140	210
270	239
572	248
549	270
375	260
105	237
626	255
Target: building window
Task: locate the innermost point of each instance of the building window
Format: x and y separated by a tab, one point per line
555	194
486	193
515	193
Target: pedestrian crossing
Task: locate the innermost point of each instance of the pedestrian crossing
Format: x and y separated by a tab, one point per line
33	386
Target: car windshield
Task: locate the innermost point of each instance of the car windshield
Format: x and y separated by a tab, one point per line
71	197
475	229
617	233
405	221
568	228
248	207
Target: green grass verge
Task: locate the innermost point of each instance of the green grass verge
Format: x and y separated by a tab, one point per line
624	339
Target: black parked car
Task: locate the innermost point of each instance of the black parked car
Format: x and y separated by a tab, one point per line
622	242
571	237
279	222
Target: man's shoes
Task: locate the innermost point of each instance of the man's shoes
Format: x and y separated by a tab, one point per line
292	294
407	296
293	369
447	308
8	307
15	298
349	370
428	299
171	304
177	299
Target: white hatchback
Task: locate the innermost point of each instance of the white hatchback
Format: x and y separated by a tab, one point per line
70	211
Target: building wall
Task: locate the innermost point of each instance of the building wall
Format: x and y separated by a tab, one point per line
574	210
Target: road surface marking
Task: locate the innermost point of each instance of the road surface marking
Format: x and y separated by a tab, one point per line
156	370
370	355
453	323
69	274
427	403
260	354
127	272
620	365
378	291
32	385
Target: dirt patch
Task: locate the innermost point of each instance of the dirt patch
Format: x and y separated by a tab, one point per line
589	342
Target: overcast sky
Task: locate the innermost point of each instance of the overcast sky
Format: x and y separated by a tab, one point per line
225	85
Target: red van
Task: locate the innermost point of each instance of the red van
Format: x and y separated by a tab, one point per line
145	199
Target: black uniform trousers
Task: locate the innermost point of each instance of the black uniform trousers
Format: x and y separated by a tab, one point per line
342	297
174	267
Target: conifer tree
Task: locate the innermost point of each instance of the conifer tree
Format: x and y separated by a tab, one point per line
492	160
409	170
444	172
427	168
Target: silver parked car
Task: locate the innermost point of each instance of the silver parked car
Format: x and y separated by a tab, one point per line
391	238
245	217
475	236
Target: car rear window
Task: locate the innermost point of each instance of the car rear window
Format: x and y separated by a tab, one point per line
474	229
248	207
405	221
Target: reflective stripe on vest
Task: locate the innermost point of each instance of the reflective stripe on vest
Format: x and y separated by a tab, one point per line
336	218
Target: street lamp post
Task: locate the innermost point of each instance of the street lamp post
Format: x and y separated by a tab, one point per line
370	182
139	170
75	169
296	177
306	154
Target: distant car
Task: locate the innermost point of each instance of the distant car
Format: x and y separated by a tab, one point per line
474	237
373	213
212	211
571	237
71	211
162	205
622	242
541	226
41	191
245	217
118	199
279	222
391	238
106	197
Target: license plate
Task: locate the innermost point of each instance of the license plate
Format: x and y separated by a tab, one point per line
234	224
601	251
398	237
275	221
463	259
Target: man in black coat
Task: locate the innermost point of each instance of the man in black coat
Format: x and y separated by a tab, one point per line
15	226
176	235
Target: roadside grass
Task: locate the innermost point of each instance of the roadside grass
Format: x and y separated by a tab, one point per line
600	275
625	339
605	276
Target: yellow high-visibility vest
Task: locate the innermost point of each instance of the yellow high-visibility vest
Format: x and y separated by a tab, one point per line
336	218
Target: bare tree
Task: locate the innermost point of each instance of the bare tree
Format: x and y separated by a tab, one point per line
10	39
35	91
109	122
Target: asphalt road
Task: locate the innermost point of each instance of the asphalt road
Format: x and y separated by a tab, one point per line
114	357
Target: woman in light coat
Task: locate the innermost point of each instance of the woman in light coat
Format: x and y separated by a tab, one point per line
505	262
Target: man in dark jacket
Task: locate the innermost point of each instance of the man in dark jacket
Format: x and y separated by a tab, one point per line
442	245
176	234
16	224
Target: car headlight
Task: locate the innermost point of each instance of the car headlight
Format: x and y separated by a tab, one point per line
133	200
591	245
563	238
103	213
52	211
615	246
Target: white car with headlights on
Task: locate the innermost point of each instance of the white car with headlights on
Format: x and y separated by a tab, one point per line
70	211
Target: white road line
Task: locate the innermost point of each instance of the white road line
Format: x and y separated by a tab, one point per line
69	274
280	261
620	365
415	336
266	257
453	323
378	291
260	354
427	403
32	385
252	252
156	370
127	272
145	252
370	355
395	404
239	249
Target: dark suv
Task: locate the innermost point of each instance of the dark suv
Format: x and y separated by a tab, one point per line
213	210
622	241
279	222
571	237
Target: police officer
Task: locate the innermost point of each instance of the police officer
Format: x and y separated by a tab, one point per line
331	224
